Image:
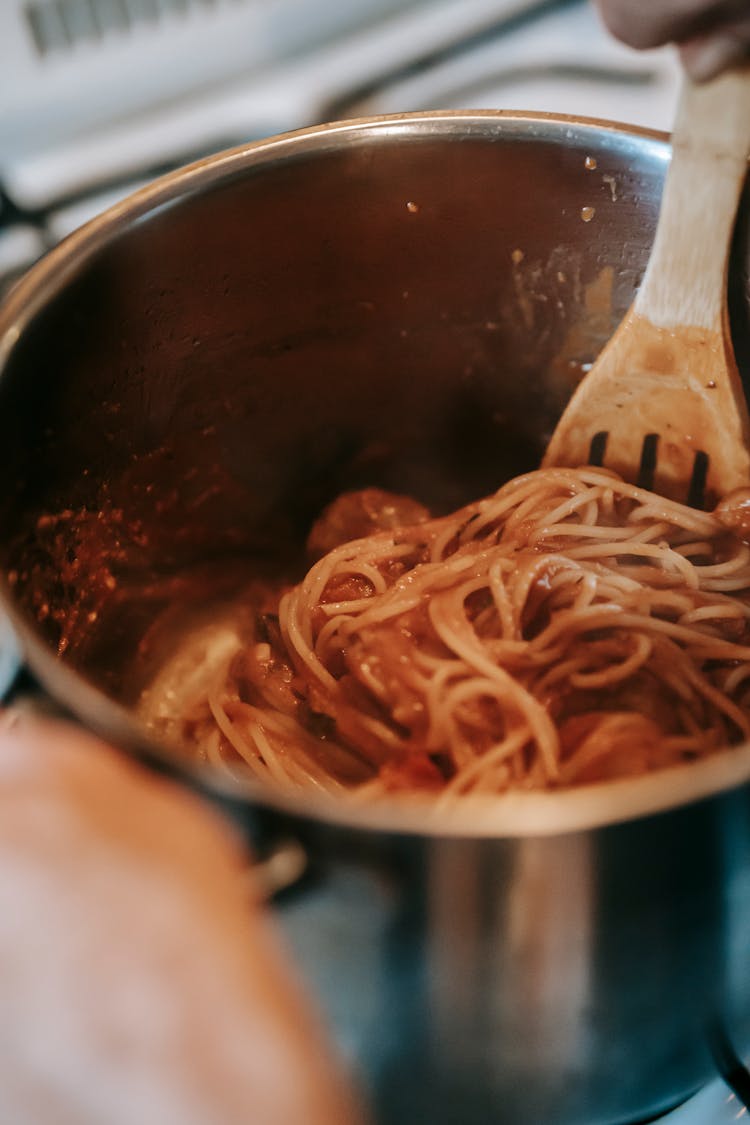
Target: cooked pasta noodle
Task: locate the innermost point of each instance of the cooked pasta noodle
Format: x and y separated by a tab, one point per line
567	629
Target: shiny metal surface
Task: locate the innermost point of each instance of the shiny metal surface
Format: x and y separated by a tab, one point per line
406	302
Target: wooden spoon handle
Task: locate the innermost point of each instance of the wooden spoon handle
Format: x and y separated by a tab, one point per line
685	281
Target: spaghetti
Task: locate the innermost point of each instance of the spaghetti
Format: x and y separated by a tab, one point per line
568	629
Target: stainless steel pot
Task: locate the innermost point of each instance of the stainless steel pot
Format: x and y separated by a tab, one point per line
406	302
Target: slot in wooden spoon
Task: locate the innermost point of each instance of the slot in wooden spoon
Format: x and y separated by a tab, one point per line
663	405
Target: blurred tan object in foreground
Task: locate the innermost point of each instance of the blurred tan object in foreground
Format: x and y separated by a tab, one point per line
138	984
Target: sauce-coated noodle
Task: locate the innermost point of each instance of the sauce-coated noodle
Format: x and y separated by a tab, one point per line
568	629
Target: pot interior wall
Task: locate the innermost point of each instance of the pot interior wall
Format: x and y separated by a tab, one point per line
402	308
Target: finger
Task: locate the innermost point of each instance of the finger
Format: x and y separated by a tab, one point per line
708	55
643	23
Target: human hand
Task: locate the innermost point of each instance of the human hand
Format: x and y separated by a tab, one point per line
140	982
711	34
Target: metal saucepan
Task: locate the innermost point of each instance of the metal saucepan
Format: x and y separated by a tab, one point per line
404	302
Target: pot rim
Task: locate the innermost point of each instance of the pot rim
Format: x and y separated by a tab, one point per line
510	815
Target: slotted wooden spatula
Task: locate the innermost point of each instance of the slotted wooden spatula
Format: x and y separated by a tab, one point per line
663	405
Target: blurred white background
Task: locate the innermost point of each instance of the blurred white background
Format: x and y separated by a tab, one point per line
97	96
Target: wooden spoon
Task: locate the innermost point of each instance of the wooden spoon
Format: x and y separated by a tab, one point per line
663	405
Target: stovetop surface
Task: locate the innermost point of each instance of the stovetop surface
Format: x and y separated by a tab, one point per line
714	1105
